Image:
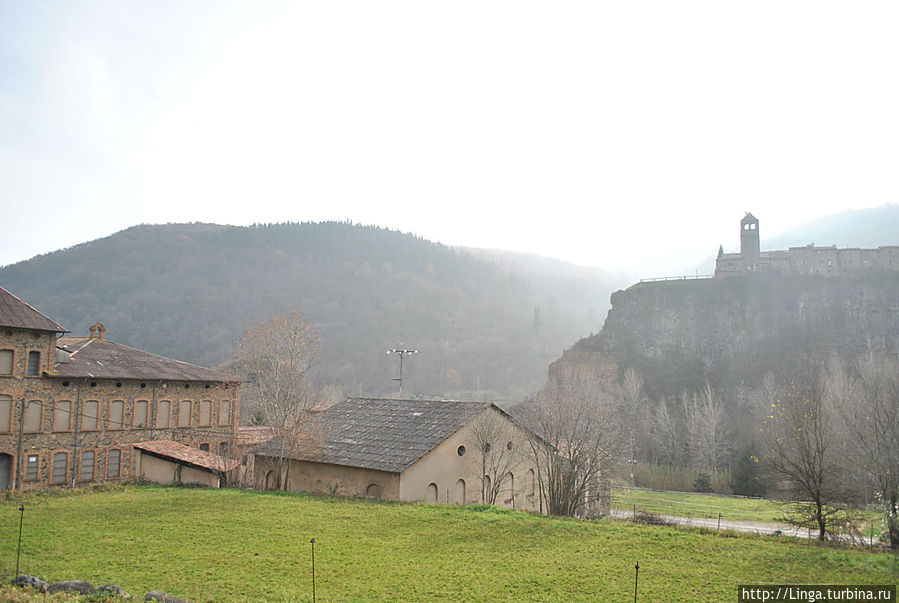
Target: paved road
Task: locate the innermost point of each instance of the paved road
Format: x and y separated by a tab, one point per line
737	526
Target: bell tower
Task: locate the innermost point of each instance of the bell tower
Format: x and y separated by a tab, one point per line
749	238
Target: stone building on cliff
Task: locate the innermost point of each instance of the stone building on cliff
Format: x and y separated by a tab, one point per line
826	261
81	410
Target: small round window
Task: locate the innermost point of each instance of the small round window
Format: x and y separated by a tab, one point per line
460	450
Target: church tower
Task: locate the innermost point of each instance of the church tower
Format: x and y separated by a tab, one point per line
749	238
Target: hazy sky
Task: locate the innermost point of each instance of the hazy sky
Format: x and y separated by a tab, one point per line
626	135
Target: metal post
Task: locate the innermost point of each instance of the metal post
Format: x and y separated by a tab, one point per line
19	548
401	353
636	577
312	541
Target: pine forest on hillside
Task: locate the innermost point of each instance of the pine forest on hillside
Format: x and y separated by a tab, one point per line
485	324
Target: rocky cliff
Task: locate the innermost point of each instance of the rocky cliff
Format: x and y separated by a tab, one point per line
732	331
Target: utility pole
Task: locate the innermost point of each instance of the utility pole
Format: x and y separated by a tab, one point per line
402	353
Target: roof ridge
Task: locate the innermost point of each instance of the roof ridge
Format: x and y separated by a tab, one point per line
33	309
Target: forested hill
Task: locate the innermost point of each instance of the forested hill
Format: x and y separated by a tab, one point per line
483	321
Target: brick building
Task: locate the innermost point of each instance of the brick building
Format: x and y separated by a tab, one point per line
72	408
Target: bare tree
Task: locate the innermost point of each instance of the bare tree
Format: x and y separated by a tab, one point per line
276	358
496	455
668	434
869	409
580	430
632	404
708	442
801	450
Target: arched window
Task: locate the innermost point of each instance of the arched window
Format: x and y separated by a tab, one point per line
509	498
532	482
431	494
373	491
460	492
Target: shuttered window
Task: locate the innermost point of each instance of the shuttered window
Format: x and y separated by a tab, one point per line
34	364
6	357
60	467
116	412
87	466
205	413
113	463
89	413
184	414
33	416
62	416
225	412
164	414
5	413
32	464
140	413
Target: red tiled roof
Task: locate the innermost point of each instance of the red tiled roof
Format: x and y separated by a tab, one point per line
188	455
254	434
20	315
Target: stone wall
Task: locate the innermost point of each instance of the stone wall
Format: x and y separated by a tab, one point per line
76	432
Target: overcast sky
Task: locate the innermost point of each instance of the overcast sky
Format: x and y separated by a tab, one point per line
625	135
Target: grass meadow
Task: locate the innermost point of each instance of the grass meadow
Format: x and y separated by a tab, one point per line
708	506
233	545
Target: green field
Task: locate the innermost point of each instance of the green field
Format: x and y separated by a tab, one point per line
690	504
231	545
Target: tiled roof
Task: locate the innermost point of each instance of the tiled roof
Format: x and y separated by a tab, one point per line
18	314
253	435
383	434
103	359
187	455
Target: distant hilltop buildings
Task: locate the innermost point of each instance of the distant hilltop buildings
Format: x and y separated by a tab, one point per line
827	261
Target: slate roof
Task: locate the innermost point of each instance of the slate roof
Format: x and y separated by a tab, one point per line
187	455
20	315
104	359
383	434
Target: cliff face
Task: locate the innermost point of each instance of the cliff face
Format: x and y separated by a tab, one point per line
732	331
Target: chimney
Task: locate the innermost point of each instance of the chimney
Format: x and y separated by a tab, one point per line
97	331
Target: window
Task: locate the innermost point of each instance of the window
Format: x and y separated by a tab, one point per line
460	450
6	357
163	414
89	414
87	466
34	364
140	413
32	465
204	446
60	468
116	410
33	416
532	482
225	412
184	414
373	491
205	412
62	416
5	413
223	448
113	463
431	493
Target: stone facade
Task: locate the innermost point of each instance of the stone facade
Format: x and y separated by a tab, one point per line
65	421
366	460
824	261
